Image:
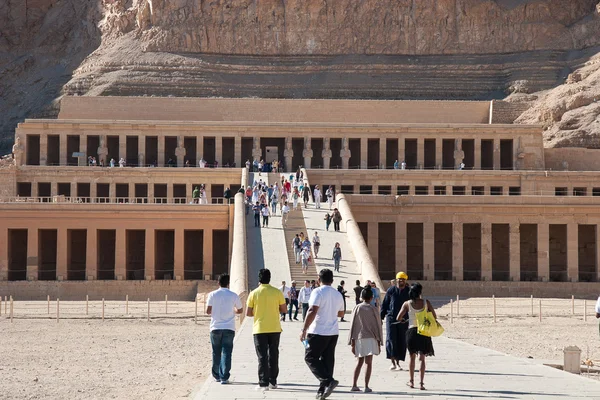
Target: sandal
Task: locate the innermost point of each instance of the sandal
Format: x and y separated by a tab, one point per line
422	386
410	384
355	389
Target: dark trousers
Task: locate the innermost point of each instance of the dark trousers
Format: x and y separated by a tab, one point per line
265	220
395	343
320	357
256	219
293	303
304	310
267	350
336	226
222	347
287	303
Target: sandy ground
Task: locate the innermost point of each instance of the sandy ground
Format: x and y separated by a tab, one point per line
95	359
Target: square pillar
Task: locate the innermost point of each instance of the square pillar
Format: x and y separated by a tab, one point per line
112	192
382	152
120	254
32	254
161	150
179	252
83	139
219	150
429	251
3	253
237	152
131	192
420	152
477	160
200	148
543	251
401	150
34	188
93	192
373	242
597	252
61	253
122	148
496	154
439	150
43	150
170	193
457	251
141	150
514	249
150	194
208	252
63	149
573	252
74	193
91	254
364	152
401	245
486	251
53	188
149	257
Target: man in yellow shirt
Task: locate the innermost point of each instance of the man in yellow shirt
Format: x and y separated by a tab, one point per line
265	304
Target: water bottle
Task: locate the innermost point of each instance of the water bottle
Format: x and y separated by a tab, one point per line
305	343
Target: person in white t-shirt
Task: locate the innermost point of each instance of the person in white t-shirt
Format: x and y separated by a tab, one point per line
222	305
320	332
598	308
317	196
285	290
285	210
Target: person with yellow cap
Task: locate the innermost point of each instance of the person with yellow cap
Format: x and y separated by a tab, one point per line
395	344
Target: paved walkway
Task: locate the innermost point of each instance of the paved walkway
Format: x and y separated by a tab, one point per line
458	371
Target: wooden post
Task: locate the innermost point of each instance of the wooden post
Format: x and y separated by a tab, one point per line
494	300
572	305
457	305
584	310
11	309
87	299
532	305
48	304
196	311
103	309
166	303
148	309
540	310
126	304
57	309
451	312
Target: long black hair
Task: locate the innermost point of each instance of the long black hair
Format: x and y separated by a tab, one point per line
415	291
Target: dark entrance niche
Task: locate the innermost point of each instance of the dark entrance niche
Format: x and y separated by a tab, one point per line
298	148
386	261
472	252
135	244
372	153
122	192
587	253
180	193
72	147
317	148
112	143
500	252
354	146
336	147
346	189
24	189
228	152
17	254
487	154
506	154
403	190
391	152
131	151
33	150
170	147
47	239
468	147
247	144
273	142
558	253
151	148
220	251
193	256
83	192
365	189
141	192
443	252
410	153
448	153
93	142
385	190
528	243
216	192
414	251
106	254
429	154
45	191
103	192
189	142
364	230
210	151
76	254
53	150
64	189
160	193
164	254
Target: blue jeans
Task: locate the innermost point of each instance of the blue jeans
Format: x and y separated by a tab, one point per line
222	347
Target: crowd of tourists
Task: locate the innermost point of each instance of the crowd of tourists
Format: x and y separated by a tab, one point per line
321	306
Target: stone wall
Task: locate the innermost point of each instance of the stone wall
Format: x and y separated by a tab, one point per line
577	159
109	290
504	112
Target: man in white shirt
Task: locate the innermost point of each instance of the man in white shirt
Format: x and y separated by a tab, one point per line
598	308
321	332
304	297
285	210
285	290
222	305
317	196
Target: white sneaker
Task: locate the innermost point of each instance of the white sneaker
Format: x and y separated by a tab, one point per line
261	388
271	386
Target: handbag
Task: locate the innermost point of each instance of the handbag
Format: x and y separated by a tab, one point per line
427	325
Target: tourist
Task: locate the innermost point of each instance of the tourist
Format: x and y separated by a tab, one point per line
285	290
203	198
274	200
303	298
317	196
298	173
93	161
416	343
202	163
227	195
336	217
255	166
216	164
121	162
327	221
295	197
316	240
248	165
297	247
187	163
343	292
112	162
337	256
222	305
305	195
314	284
265	212
196	195
403	165
321	333
264	304
357	291
261	164
461	166
365	338
270	194
293	297
170	163
396	164
330	193
395	341
305	255
256	209
89	161
285	210
376	293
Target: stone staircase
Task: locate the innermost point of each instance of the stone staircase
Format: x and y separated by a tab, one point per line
295	224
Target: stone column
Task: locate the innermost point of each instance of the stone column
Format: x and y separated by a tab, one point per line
307	153
597	252
131	190
43	149
122	149
364	154
112	192
149	260
91	254
429	251
573	252
141	150
496	154
62	240
257	151
373	242
4	253
459	154
53	188
120	254
180	152
439	153
514	249
420	153
477	159
93	191
178	262
288	154
170	192
102	152
151	193
82	148
219	150
544	251
486	251
200	149
345	153
63	149
74	189
382	153
401	245
237	152
161	150
326	153
457	251
208	252
401	150
32	254
34	188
